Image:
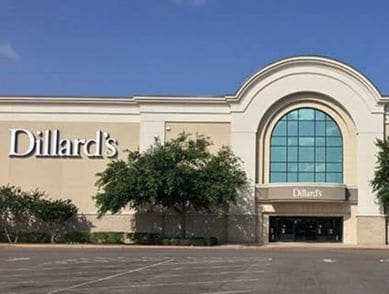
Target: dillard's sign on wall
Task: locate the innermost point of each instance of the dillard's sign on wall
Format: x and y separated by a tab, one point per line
303	193
312	192
48	143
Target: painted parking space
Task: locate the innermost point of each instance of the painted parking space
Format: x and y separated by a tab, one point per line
192	271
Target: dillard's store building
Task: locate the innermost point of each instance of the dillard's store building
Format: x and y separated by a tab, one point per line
304	127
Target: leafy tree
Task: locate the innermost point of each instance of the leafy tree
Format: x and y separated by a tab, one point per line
15	211
181	175
222	177
22	212
380	182
54	214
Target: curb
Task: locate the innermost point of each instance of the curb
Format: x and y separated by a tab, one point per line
220	247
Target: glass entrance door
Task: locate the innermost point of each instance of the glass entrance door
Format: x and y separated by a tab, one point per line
305	229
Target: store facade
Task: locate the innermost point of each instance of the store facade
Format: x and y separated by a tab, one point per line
304	128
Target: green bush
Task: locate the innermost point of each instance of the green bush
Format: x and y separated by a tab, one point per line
137	238
144	238
53	215
107	238
22	214
212	241
27	237
94	237
76	237
194	241
34	237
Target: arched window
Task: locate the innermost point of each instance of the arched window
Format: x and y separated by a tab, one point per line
306	146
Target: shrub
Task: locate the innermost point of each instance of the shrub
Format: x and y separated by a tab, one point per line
23	213
107	238
34	237
54	214
144	238
27	237
94	237
76	237
16	211
194	241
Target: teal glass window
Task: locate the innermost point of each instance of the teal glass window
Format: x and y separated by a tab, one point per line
306	146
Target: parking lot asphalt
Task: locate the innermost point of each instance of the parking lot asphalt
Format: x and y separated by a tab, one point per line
162	271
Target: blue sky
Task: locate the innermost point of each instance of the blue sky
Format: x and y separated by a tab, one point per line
178	47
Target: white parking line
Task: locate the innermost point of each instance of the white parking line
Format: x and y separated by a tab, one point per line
110	277
230	292
329	260
18	259
153	285
206	262
210	267
211	274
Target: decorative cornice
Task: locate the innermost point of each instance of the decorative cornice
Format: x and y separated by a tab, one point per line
64	100
180	99
309	61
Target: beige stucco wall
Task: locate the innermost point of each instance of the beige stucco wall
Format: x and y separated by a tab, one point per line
371	230
218	132
72	178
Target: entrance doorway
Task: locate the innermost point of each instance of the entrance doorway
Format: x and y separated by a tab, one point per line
305	229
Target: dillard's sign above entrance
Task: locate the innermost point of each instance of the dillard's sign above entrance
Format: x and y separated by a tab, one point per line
48	143
303	193
306	192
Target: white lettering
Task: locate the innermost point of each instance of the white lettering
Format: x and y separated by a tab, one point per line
65	148
48	143
77	146
15	140
306	193
55	143
112	150
97	143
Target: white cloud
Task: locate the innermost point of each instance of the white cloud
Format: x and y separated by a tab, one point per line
190	2
8	52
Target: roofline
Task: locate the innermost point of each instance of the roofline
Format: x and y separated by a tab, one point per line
298	56
61	99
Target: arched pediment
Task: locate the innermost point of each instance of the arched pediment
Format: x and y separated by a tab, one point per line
308	74
321	68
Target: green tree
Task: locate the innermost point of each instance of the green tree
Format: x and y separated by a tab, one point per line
380	183
54	214
16	211
180	175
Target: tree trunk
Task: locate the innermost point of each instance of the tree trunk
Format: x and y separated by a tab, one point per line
53	232
225	212
16	238
181	211
183	225
7	235
163	221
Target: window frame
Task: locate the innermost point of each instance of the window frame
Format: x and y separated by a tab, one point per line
328	120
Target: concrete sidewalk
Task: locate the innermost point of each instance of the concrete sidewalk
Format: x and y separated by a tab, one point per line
275	246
